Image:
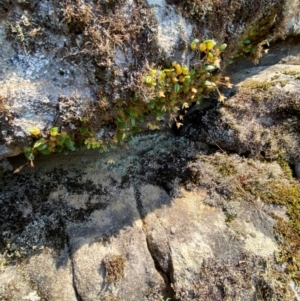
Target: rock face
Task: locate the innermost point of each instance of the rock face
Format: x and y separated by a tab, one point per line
261	119
60	60
210	212
171	218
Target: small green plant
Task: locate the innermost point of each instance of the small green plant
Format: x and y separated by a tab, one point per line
55	142
161	92
180	85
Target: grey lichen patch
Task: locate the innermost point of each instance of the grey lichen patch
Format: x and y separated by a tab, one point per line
114	267
173	29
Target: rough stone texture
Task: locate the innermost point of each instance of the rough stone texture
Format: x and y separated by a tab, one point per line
171	218
189	236
261	119
116	230
172	29
14	286
51	273
168	217
72	54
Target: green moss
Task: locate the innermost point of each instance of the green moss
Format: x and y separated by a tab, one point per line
280	193
291	72
229	218
237	179
258	85
281	160
285	193
226	168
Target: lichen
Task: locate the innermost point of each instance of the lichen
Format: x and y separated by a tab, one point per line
234	178
282	192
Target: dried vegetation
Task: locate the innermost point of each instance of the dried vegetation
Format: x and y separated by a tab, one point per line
114	267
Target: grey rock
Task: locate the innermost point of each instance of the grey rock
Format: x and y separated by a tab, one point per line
115	231
47	52
202	237
14	286
51	273
93	230
172	217
260	119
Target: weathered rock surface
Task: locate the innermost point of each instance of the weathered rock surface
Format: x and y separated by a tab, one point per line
115	231
171	218
211	213
261	119
58	59
51	272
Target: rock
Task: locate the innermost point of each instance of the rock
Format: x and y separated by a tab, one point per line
201	243
209	213
116	232
297	170
14	286
51	273
170	219
172	29
54	53
260	120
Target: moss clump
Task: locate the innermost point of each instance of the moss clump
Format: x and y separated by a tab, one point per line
288	195
114	267
258	85
234	178
281	160
285	192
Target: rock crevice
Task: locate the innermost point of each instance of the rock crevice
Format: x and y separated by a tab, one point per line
165	269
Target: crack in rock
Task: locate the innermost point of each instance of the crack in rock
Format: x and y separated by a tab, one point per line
78	297
165	270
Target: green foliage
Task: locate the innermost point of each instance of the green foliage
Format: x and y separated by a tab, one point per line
178	86
163	91
54	142
249	48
